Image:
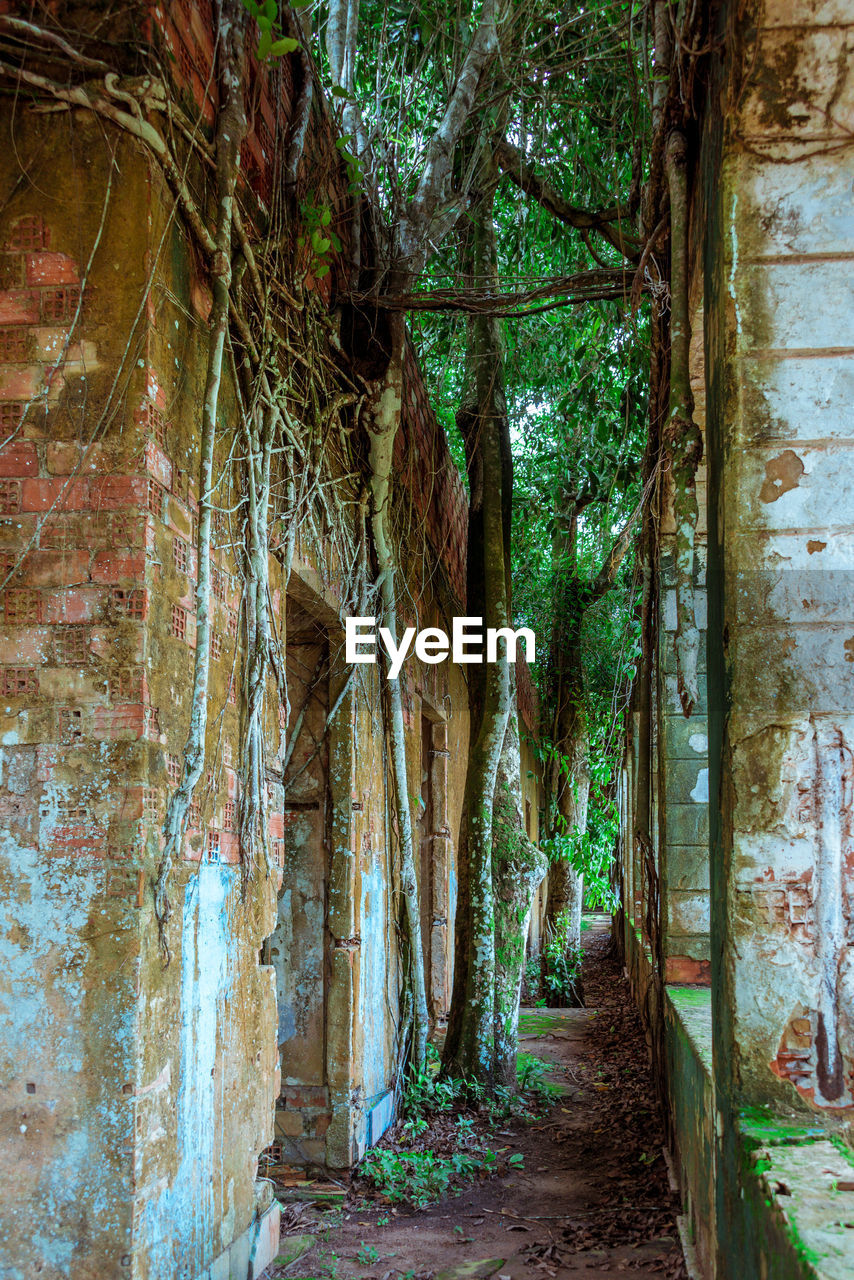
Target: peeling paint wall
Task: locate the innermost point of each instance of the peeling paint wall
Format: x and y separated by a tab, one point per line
782	315
773	241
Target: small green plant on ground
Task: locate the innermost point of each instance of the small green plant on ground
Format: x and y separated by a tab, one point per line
421	1178
453	1116
531	1072
367	1253
427	1092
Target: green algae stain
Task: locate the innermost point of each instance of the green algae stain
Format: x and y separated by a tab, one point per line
539	1023
691	997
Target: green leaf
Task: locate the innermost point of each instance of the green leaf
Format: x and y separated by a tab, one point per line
264	24
271	10
321	271
286	45
264	45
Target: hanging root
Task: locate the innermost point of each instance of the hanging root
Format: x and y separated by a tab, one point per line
682	441
231	127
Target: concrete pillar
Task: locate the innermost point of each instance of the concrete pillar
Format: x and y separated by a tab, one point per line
683	799
780	347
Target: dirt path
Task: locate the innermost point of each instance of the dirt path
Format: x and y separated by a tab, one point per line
591	1199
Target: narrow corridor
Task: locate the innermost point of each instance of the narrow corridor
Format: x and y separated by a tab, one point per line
590	1197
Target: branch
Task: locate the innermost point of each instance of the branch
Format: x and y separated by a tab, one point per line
18	27
77	96
604	579
417	220
584	286
517	169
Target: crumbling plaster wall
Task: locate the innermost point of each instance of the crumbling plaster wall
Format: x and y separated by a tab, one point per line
139	1096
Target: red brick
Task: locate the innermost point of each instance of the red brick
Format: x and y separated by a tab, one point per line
51	268
306	1096
125	722
75	604
68	842
19	306
25	645
107	566
64	457
115	492
158	465
102	643
62	530
58	495
682	970
19	459
46	568
229	848
21	383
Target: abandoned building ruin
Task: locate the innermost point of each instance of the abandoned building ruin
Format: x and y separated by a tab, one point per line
138	1098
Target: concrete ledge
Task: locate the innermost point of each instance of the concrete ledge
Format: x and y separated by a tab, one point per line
785	1212
688	1031
249	1256
796	1222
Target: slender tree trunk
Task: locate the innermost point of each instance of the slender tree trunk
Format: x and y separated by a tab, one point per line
421	226
518	867
569	775
470	1042
570	794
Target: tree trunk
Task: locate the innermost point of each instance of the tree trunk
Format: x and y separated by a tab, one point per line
482	419
570	794
518	867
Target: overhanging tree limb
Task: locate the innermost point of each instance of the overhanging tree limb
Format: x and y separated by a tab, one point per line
582	286
609	223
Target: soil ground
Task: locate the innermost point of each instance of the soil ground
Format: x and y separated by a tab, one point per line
592	1198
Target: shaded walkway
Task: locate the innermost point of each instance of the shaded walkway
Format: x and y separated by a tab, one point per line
592	1197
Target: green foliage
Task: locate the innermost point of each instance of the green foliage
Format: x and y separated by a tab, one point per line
531	1072
531	980
317	236
561	963
266	16
367	1253
420	1178
591	852
428	1093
